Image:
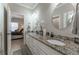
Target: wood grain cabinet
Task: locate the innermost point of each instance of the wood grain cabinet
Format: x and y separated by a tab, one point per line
39	48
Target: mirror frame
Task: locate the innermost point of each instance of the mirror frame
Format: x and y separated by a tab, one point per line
58	15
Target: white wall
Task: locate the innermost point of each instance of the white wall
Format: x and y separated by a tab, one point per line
1	20
20	21
20	10
1	16
45	12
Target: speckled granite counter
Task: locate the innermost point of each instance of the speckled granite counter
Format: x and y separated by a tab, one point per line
70	48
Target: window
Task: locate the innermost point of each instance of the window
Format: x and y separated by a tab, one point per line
14	26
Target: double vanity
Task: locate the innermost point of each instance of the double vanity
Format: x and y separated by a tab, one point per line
62	22
56	45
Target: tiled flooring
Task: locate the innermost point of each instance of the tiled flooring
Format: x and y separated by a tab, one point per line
19	49
16	45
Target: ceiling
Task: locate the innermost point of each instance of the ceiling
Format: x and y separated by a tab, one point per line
22	6
28	5
18	8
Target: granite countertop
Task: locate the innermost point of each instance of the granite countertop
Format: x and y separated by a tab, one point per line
70	48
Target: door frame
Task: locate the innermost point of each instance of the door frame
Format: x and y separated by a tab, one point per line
23	34
9	52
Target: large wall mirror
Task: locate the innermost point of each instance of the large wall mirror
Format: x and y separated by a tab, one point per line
63	15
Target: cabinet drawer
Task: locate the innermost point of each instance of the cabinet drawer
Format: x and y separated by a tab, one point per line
40	51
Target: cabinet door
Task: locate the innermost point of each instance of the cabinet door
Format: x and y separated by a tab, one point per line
29	43
39	51
27	40
47	50
32	46
38	48
35	48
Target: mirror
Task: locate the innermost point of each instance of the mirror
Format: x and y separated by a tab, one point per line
63	15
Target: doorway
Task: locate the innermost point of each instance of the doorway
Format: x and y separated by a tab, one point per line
17	35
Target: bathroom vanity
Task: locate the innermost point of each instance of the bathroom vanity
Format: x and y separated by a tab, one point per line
40	46
61	24
37	46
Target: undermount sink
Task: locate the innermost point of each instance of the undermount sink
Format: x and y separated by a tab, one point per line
56	42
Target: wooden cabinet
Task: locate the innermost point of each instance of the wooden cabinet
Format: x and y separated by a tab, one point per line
39	48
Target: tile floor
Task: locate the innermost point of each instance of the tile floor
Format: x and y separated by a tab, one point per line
16	44
18	48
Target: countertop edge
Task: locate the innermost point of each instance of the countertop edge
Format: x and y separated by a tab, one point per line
47	44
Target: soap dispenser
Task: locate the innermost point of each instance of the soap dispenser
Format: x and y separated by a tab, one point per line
52	35
44	33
